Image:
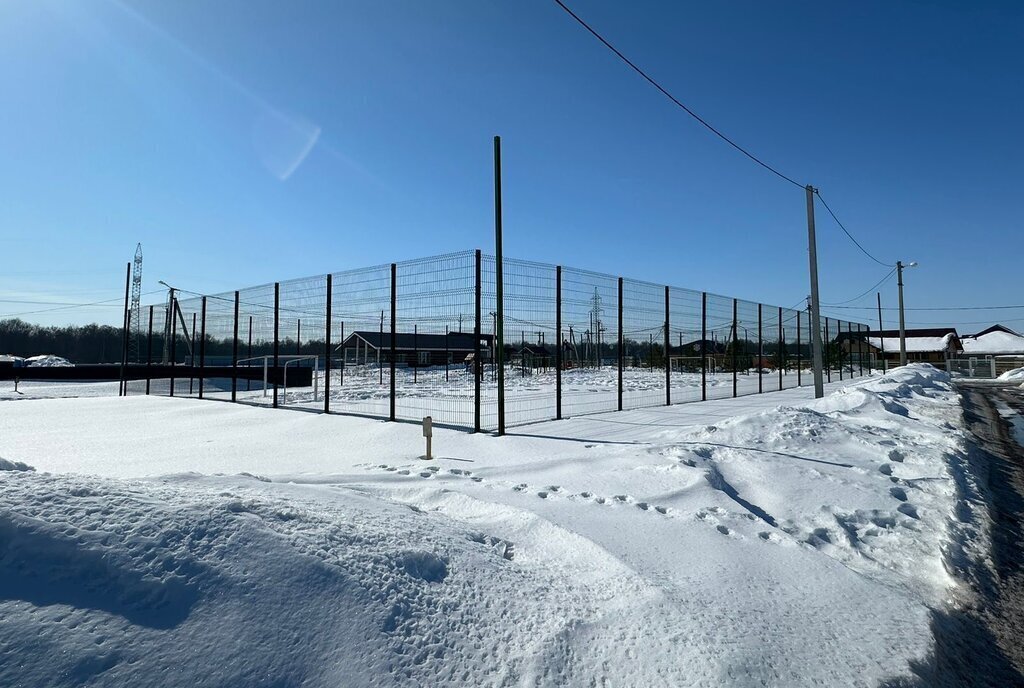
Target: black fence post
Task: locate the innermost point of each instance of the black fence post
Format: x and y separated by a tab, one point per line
415	351
782	349
202	348
277	342
123	384
394	335
828	359
703	346
298	337
234	354
327	349
341	372
248	378
621	356
558	342
478	369
149	349
760	352
174	340
447	351
839	350
799	353
192	356
735	345
122	379
668	344
860	348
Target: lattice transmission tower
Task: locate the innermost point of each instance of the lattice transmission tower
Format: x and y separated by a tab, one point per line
134	335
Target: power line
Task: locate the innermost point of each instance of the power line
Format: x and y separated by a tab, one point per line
867	291
70	306
675	100
936	308
842	227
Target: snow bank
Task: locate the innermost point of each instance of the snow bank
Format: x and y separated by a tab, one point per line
801	545
6	465
1013	375
217	582
48	361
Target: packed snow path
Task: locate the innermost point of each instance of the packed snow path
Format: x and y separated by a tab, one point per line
801	545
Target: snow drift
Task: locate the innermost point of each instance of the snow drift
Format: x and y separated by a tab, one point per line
802	545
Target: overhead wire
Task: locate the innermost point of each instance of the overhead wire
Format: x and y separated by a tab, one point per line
862	294
675	100
711	128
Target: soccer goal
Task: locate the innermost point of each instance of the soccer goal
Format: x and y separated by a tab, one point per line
685	364
287	360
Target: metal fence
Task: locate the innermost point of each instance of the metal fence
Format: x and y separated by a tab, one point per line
418	338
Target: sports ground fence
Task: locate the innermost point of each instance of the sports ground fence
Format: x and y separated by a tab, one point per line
419	338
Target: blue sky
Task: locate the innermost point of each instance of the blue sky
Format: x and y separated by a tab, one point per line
247	141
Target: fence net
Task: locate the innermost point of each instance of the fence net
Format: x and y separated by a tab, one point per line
420	338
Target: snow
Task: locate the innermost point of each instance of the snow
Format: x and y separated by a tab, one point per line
170	542
914	344
1013	375
996	342
48	361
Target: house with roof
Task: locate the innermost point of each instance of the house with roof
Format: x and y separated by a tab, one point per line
413	348
934	345
997	340
999	343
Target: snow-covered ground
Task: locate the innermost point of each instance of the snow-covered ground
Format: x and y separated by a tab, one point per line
171	542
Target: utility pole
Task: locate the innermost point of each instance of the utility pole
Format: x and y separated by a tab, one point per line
812	246
903	328
499	319
881	339
168	320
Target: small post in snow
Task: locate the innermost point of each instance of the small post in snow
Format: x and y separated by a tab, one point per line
428	433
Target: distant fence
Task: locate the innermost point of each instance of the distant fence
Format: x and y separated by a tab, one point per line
418	338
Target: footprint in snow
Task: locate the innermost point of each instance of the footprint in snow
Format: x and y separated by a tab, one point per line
542	494
885	469
643	505
520	487
908	509
622	498
899	493
426	474
896	455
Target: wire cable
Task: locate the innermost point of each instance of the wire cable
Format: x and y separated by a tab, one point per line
77	305
937	308
847	233
675	100
862	294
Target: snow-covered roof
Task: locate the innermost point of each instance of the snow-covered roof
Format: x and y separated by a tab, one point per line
914	344
995	342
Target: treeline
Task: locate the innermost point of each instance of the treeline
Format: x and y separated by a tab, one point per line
77	343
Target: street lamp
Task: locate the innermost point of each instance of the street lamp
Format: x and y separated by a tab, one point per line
903	328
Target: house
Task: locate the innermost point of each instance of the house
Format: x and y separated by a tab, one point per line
413	348
997	340
535	356
931	345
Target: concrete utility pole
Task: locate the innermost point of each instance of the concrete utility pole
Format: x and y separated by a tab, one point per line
881	340
903	329
812	246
